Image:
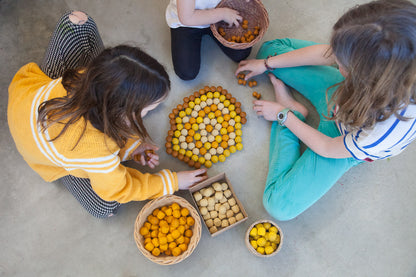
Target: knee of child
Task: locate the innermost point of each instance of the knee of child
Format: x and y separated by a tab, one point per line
78	17
278	212
277	207
186	75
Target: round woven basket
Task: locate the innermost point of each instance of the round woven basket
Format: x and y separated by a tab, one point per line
148	209
252	250
253	11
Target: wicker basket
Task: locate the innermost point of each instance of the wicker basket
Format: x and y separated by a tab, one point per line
253	11
252	250
148	209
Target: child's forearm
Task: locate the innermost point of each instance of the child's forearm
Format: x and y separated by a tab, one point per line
311	55
321	144
190	16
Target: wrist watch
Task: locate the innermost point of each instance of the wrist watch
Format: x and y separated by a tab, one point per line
282	116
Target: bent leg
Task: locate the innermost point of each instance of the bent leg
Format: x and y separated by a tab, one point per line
75	42
81	189
295	181
310	81
186	51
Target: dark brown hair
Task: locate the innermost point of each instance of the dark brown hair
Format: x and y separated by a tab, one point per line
111	93
376	45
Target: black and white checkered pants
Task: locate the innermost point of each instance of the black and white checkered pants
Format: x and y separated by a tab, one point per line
71	46
86	196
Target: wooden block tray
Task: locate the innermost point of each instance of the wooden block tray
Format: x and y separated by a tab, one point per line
220	178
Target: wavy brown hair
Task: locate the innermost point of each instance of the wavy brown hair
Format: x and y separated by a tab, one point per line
110	92
376	45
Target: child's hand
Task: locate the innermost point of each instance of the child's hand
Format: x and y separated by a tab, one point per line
232	17
267	109
187	178
255	67
145	155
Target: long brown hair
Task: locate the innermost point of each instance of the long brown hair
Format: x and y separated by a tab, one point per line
110	92
376	44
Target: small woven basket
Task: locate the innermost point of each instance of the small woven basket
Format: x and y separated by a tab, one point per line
253	11
148	209
252	250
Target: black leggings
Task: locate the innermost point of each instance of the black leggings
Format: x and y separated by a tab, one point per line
71	46
186	51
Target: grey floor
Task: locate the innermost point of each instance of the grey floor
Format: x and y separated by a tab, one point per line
364	226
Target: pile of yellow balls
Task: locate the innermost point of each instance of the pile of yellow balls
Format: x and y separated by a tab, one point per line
264	238
206	128
168	230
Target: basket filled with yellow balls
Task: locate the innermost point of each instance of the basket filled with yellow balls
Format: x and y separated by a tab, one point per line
167	230
264	238
250	31
218	204
206	128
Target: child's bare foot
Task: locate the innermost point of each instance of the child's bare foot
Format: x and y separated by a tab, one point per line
284	97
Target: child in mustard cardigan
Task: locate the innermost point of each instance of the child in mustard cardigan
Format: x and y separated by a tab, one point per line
80	127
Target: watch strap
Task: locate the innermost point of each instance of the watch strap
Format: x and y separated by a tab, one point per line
282	116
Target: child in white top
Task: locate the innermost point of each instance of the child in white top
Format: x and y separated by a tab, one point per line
189	21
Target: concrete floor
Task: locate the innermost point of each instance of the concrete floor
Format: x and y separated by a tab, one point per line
364	226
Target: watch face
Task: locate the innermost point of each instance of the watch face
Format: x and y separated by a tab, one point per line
280	116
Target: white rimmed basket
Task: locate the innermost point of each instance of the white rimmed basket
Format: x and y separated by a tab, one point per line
252	250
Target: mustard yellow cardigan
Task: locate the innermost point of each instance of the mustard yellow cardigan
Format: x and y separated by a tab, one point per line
96	156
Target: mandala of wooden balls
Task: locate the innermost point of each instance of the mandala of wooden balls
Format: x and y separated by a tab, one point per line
206	128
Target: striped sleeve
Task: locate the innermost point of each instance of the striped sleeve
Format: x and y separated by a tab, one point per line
168	181
386	139
126	153
128	184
